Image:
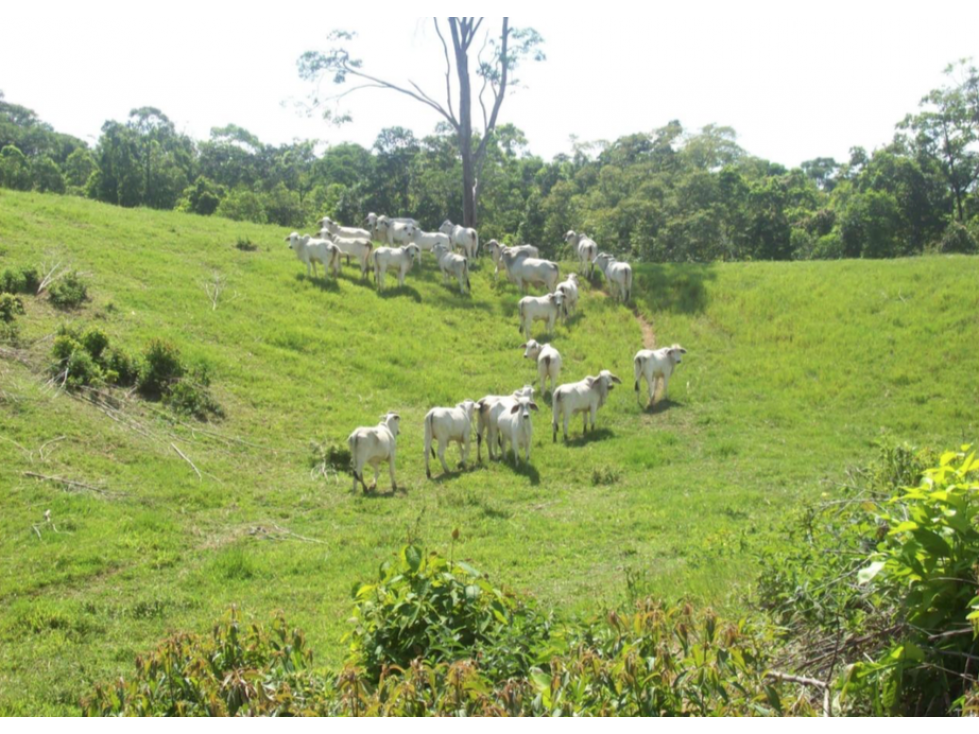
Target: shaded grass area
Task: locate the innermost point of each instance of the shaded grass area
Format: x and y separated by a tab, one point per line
794	371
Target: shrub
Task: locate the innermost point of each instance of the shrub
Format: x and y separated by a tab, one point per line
122	366
329	457
68	292
31	279
193	398
160	370
245	245
10	307
87	360
12	282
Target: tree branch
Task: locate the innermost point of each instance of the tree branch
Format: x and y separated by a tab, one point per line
448	67
500	94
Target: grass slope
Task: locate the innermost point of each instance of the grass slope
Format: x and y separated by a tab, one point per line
794	371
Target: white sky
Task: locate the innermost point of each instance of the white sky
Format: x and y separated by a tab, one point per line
796	83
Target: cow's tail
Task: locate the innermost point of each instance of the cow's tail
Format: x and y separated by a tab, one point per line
465	270
638	371
352	443
520	314
628	284
556	398
475	243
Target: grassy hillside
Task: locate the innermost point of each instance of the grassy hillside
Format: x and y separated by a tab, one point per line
793	372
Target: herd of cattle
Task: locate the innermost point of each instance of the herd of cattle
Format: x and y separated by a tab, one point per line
503	421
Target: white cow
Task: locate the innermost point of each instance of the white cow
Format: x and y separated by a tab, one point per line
359	248
372	446
569	288
548	362
496	251
655	364
311	251
488	410
524	270
349	232
448	425
426	241
372	218
394	258
516	429
457	265
394	233
585	248
618	275
464	237
585	397
545	308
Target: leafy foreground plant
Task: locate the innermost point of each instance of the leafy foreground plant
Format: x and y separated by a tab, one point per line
880	600
434	637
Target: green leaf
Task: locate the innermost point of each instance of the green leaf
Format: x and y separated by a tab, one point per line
413	557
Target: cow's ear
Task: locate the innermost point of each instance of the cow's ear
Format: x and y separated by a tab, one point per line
590	381
515	408
533	406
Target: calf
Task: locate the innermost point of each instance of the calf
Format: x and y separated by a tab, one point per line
618	276
359	248
394	233
548	362
585	397
449	262
447	425
585	249
396	258
545	308
332	227
372	446
310	251
652	365
516	429
488	410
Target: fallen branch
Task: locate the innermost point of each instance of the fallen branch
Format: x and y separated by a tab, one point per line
803	681
69	484
192	465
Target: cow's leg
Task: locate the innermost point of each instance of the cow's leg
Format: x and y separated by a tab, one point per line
666	384
443	445
394	484
466	445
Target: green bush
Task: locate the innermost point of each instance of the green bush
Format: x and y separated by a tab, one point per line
68	292
87	360
31	279
161	369
442	611
434	638
10	307
192	397
878	588
12	282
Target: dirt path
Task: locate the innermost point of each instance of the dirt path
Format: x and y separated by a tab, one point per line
648	335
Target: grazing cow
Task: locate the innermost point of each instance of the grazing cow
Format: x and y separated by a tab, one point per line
654	364
372	446
359	248
448	425
394	233
457	265
569	288
585	397
464	237
524	270
548	362
427	241
585	248
310	250
515	428
488	410
393	258
348	232
545	308
618	275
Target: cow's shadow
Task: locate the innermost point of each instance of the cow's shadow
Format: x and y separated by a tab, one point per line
378	494
452	476
599	434
661	406
320	282
523	469
399	291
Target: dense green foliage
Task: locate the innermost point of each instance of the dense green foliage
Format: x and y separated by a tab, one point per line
793	372
434	637
878	592
670	195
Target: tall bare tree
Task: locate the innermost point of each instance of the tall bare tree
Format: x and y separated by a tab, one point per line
494	77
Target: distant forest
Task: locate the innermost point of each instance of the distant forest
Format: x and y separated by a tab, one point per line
667	195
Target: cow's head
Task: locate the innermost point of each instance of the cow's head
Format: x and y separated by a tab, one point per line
522	408
533	349
676	353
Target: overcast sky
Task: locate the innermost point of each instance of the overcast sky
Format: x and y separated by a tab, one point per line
795	82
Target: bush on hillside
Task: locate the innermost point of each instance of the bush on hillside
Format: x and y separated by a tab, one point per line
10	307
68	292
433	637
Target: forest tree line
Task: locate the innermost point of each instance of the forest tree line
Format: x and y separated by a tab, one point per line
668	195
